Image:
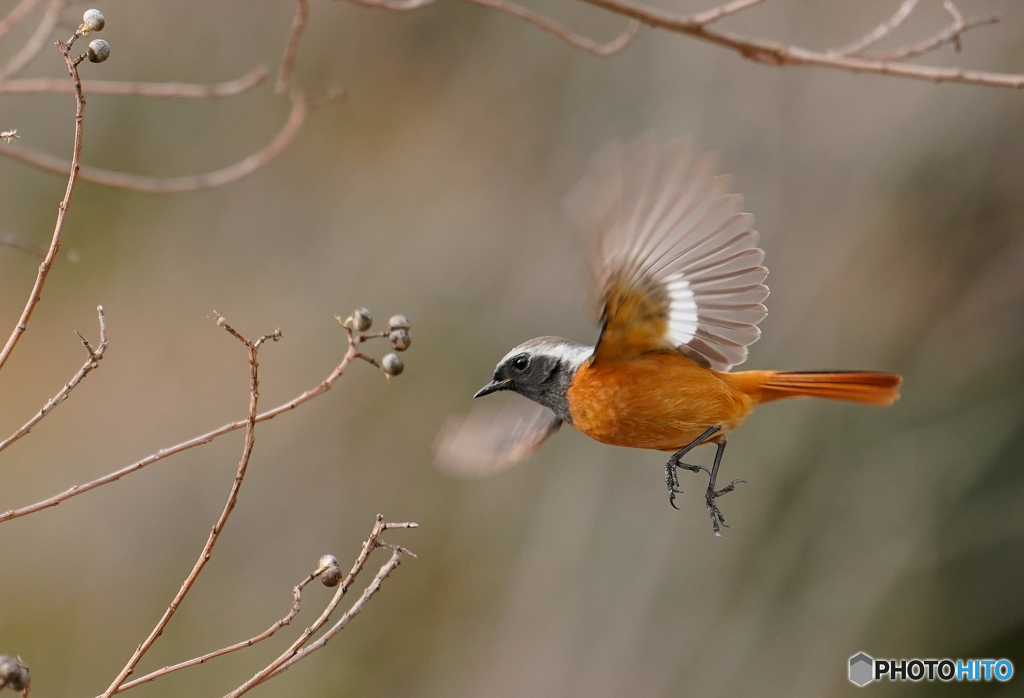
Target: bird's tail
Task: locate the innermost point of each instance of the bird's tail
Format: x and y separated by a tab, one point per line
855	386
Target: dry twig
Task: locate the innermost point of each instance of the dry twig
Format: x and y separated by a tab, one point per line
250	439
140	89
353	353
296	651
51	254
761	50
91	363
949	35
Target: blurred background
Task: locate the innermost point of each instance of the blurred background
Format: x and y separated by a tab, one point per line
893	219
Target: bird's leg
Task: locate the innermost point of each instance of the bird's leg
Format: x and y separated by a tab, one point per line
676	461
712	494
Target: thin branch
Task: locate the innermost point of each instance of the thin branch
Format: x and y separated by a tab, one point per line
879	32
252	348
357	607
754	49
950	35
16	14
35	42
287	619
351	355
140	89
607	49
295	651
158	185
90	364
284	73
716	13
51	254
779	54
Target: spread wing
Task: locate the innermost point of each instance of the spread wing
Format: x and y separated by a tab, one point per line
677	264
492	438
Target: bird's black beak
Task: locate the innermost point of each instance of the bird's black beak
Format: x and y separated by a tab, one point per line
493	387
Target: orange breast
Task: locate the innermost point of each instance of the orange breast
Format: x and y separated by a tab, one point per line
661	400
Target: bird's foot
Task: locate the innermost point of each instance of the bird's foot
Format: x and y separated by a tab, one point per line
672	478
717	519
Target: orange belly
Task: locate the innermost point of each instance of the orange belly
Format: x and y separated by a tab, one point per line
661	400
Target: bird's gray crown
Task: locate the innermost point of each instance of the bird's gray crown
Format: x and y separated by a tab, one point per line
541	369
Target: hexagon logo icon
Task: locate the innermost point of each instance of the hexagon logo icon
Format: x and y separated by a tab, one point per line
862	669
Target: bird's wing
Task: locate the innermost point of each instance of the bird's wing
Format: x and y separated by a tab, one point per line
492	438
677	263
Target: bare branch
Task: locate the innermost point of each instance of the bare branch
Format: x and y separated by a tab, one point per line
51	254
140	89
287	619
350	356
754	49
716	13
612	47
16	15
284	73
879	32
91	363
295	651
252	349
158	185
950	35
778	54
36	42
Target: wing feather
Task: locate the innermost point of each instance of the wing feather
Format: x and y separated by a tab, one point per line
677	263
492	438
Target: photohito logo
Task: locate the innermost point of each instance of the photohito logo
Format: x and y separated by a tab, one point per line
865	669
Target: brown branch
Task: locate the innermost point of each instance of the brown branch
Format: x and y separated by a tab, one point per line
140	89
538	20
296	652
284	73
779	54
287	619
51	254
351	355
879	32
16	15
91	363
252	349
754	49
158	185
950	35
35	42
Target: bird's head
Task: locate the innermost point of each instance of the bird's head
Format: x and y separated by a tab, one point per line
541	369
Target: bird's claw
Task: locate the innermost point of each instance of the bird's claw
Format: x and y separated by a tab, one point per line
717	519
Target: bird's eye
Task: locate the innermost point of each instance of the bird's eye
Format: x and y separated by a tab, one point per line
521	362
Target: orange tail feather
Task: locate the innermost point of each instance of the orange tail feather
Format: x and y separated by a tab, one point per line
856	386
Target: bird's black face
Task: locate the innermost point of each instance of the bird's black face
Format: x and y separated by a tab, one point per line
542	370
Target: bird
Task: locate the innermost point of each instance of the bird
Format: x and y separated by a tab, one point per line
679	289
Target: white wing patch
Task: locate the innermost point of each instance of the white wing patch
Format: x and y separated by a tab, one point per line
682	310
667	222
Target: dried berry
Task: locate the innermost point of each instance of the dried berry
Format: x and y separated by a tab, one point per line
362	320
398	322
93	20
400	339
393	364
99	51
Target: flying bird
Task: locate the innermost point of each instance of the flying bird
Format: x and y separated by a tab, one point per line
680	291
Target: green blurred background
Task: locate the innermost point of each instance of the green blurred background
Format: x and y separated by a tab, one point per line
892	213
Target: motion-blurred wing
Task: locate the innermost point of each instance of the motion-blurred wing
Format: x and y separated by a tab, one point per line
677	264
492	437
